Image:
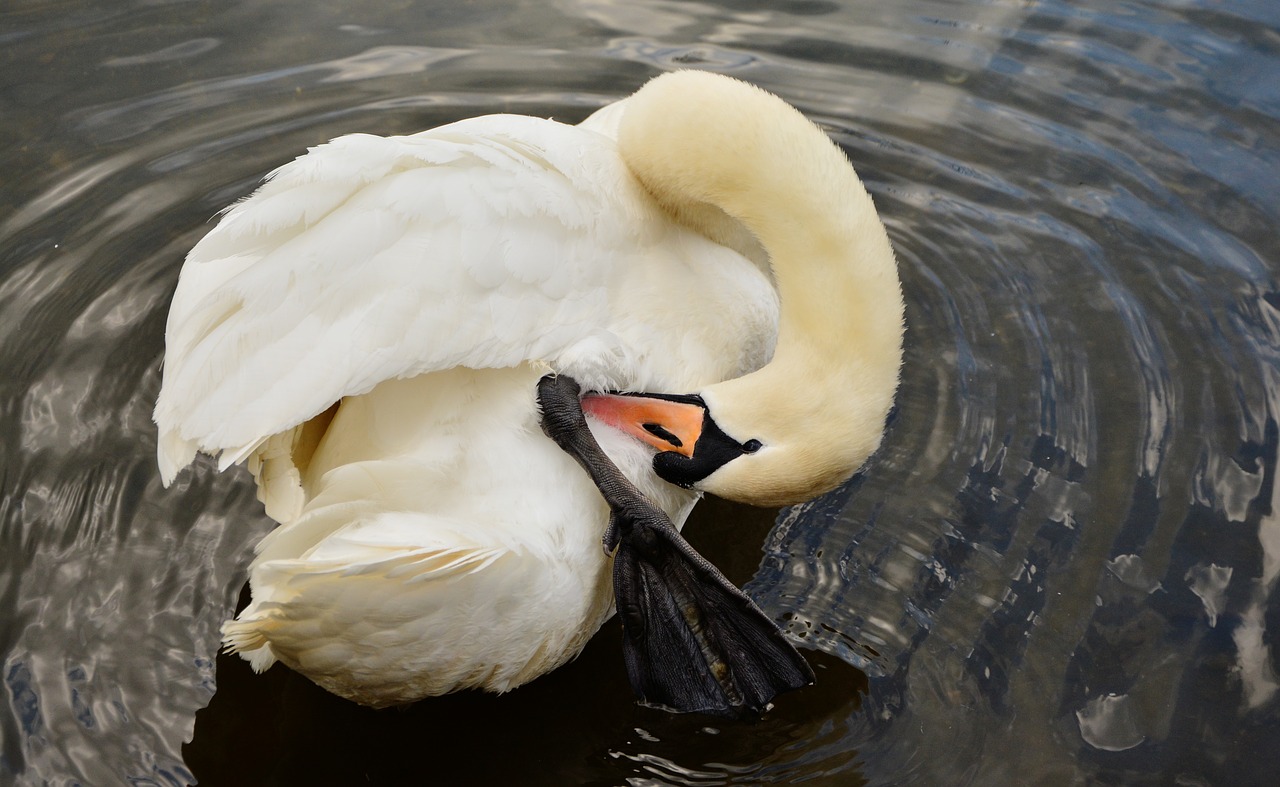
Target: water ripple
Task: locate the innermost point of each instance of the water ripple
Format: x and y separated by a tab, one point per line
1059	567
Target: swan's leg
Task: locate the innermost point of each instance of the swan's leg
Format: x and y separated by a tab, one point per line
691	640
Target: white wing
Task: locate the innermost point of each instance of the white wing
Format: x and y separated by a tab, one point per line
485	243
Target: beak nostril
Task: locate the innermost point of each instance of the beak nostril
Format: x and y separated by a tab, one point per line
657	430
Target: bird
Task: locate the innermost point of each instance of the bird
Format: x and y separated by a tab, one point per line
368	332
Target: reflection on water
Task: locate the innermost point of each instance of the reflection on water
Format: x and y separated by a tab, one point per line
1061	565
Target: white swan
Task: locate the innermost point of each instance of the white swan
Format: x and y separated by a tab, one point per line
368	328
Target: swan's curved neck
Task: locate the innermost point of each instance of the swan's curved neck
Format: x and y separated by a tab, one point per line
695	139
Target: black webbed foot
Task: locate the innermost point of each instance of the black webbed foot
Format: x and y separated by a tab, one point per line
692	641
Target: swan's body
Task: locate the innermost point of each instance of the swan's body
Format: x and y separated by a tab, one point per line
367	331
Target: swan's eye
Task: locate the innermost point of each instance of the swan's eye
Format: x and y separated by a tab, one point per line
751	446
660	432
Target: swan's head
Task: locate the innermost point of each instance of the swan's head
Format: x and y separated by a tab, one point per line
757	452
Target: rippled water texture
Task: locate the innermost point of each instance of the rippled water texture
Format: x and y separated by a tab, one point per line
1061	566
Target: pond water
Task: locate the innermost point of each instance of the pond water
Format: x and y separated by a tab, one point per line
1061	566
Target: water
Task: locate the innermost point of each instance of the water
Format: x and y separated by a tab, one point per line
1060	567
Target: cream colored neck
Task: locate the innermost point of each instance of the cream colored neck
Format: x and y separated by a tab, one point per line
695	139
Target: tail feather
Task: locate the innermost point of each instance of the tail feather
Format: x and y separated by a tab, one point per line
248	638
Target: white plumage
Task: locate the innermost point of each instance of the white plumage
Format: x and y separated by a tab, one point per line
368	328
427	282
484	244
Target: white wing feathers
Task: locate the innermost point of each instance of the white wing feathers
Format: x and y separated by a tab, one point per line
484	244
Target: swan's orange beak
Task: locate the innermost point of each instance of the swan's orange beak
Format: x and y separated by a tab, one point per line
666	425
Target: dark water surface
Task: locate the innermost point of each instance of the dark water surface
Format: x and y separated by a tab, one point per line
1061	567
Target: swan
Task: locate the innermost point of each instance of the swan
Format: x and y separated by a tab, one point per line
371	332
